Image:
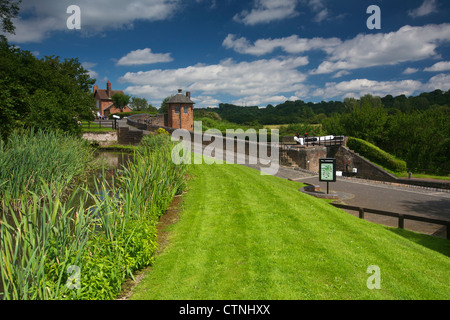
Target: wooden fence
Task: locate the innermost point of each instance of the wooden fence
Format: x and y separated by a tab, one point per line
401	217
102	123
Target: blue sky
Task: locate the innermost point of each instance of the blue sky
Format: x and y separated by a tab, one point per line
252	52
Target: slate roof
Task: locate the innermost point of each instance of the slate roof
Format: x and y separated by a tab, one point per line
103	94
180	98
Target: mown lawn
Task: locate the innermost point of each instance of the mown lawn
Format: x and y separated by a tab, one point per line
94	127
245	236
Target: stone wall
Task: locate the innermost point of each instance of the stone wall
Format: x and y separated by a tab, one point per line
347	160
102	138
305	158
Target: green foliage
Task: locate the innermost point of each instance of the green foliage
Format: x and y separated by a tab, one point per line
375	154
31	157
42	93
223	125
8	11
365	118
120	100
156	141
141	104
164	108
45	231
302	128
203	113
289	112
421	138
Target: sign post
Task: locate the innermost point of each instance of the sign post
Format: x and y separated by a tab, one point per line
327	170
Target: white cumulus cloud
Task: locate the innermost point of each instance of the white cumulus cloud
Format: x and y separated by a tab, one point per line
368	50
439	66
427	7
43	17
265	11
360	87
143	56
292	44
264	78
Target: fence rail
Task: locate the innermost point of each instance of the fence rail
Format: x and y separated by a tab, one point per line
401	217
102	124
323	141
327	141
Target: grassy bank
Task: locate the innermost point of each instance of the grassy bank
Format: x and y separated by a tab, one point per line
245	236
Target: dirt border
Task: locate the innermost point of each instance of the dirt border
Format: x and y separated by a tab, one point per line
169	218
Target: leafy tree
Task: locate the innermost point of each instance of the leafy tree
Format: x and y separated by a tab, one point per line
138	104
120	100
141	104
62	87
164	108
8	10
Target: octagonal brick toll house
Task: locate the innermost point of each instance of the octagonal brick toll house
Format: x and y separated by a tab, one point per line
181	111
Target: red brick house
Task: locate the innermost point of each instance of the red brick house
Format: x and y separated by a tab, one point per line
105	104
181	111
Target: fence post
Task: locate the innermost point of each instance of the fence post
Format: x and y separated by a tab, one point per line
401	221
361	213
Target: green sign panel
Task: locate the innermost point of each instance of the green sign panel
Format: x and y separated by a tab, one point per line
327	169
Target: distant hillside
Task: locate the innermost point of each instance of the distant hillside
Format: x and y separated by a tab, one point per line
309	112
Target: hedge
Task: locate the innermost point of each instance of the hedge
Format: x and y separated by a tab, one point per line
375	154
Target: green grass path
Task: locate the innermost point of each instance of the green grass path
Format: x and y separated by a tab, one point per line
245	236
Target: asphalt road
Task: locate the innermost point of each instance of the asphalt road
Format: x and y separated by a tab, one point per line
387	197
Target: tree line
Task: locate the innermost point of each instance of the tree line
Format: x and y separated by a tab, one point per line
314	113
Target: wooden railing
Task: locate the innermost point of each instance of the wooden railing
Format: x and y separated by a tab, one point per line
401	217
102	123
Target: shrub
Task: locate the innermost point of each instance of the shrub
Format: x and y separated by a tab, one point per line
375	154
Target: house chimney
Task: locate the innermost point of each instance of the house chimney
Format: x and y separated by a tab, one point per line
95	88
108	88
180	90
188	94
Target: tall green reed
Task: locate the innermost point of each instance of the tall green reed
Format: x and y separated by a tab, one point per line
28	157
40	237
45	231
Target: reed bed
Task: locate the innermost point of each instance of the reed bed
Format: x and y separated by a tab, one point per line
83	247
52	156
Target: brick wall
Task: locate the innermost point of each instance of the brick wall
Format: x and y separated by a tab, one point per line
181	120
127	136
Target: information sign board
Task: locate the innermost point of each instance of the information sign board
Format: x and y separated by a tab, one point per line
327	169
